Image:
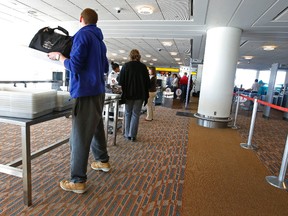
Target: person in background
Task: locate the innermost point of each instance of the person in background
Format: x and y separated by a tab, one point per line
183	85
135	82
255	86
169	80
152	93
87	65
113	79
175	82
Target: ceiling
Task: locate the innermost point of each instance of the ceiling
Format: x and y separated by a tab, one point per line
264	22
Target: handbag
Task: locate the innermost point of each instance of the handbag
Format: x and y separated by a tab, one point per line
47	40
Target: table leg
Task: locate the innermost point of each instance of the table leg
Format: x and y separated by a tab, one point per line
115	126
26	163
106	121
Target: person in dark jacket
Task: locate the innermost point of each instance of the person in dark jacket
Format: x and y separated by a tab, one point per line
87	65
135	82
152	93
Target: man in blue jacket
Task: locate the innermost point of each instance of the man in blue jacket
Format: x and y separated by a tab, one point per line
87	65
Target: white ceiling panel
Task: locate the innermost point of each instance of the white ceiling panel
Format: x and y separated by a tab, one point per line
282	17
252	8
264	22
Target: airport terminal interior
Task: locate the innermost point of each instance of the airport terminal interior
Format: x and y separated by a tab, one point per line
217	147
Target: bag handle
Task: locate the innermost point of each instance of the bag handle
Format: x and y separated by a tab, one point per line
62	29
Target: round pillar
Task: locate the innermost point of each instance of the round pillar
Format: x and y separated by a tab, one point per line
220	61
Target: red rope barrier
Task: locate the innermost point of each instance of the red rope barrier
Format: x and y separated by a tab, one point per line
248	98
273	106
266	103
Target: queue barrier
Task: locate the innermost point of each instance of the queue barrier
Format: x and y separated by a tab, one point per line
279	181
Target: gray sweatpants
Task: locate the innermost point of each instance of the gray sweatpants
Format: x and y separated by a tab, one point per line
87	131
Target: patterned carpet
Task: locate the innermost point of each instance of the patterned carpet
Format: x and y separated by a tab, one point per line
147	176
269	137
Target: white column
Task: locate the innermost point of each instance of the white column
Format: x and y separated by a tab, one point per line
220	61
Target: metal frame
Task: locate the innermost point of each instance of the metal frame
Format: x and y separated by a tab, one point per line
25	161
27	156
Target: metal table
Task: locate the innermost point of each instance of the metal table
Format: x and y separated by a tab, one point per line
27	156
25	161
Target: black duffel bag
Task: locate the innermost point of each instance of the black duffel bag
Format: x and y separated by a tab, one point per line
47	40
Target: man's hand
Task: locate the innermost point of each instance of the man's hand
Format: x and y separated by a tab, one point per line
56	56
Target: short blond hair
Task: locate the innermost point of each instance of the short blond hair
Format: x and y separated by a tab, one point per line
135	55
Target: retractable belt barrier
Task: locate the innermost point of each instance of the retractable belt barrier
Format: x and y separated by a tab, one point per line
279	181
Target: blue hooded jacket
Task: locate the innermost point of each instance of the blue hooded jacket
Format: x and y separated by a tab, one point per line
87	63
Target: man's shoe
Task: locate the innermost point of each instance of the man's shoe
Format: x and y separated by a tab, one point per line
98	165
133	139
74	187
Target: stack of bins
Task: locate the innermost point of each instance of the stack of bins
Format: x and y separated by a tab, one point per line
26	103
63	101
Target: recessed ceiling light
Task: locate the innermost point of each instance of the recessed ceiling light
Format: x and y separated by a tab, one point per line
248	57
114	54
177	59
173	53
144	60
122	51
145	10
148	56
167	43
269	48
124	58
154	59
151	63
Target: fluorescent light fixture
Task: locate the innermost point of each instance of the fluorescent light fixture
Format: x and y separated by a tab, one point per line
122	51
151	63
248	57
144	60
124	58
173	53
268	48
145	9
167	43
114	54
177	59
154	59
148	56
179	63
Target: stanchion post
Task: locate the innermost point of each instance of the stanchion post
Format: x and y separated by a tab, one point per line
236	111
280	181
248	145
